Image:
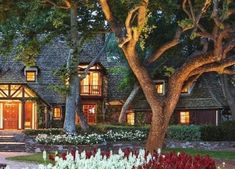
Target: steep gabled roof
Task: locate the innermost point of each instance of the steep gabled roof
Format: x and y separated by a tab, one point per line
206	94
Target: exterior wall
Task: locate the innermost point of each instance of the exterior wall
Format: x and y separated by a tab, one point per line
112	114
197	116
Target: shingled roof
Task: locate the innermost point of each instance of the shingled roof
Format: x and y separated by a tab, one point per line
206	94
52	57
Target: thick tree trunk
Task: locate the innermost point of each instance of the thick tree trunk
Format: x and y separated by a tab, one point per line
69	122
128	102
83	121
227	88
157	131
73	97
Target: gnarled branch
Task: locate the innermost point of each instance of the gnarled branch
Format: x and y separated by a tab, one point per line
67	6
219	67
157	54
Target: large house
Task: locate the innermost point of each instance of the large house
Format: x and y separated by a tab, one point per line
27	95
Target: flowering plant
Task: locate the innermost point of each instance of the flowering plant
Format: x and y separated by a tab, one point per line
129	159
93	138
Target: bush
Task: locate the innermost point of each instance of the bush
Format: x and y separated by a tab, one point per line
104	128
34	132
184	133
212	133
223	132
228	128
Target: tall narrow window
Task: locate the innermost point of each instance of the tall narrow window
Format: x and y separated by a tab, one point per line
91	84
130	119
57	113
160	87
184	117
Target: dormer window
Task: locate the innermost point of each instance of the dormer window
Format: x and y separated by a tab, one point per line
31	74
187	90
160	86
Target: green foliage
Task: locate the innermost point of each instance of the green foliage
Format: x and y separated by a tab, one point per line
32	132
223	132
168	71
185	23
28	52
212	133
146	31
184	133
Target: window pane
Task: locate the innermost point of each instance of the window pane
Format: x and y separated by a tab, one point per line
131	118
31	76
160	87
184	117
57	113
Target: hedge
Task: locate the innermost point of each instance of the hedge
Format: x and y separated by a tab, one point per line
223	132
184	133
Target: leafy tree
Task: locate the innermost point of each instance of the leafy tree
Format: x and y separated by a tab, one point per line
211	23
32	24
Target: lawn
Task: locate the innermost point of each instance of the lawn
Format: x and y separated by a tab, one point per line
34	158
223	155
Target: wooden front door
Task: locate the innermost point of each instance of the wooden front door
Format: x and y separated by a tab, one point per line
10	115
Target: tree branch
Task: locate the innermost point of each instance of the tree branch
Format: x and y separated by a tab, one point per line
109	17
68	4
84	74
157	54
228	47
129	18
219	67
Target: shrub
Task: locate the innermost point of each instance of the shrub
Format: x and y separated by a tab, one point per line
223	132
184	133
211	133
228	128
92	138
34	132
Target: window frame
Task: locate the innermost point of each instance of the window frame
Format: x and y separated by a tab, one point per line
130	123
35	75
184	117
31	70
189	90
156	82
53	116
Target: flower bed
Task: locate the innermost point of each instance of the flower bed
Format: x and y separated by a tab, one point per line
93	138
129	159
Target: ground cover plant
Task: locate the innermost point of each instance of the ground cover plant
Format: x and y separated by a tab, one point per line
129	159
92	138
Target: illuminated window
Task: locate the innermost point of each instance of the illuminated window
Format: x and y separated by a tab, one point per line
130	118
185	90
31	76
57	113
184	117
160	87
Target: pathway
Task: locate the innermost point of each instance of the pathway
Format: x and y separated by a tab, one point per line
16	164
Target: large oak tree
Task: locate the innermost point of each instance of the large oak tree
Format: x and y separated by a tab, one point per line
211	22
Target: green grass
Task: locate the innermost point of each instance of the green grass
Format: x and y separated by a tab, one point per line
215	154
34	158
37	157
